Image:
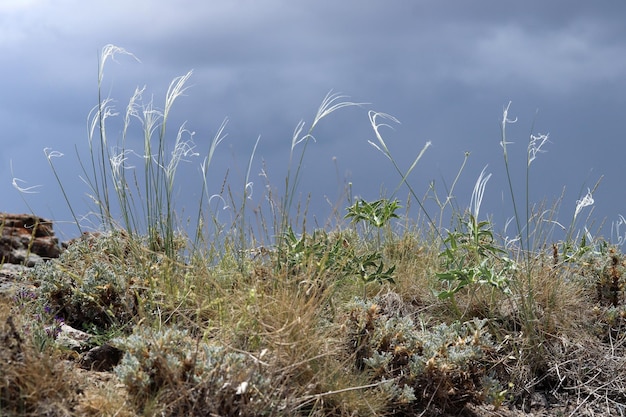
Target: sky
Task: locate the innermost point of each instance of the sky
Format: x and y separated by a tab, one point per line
445	70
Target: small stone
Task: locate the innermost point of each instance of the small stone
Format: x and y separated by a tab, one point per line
101	358
72	338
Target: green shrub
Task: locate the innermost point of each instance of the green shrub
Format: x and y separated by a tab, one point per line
335	255
472	258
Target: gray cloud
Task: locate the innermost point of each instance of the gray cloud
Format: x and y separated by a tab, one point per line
445	72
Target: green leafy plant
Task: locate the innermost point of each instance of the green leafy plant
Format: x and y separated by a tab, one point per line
373	214
318	253
376	213
321	254
371	268
472	258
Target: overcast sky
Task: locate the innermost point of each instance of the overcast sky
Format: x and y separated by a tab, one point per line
445	70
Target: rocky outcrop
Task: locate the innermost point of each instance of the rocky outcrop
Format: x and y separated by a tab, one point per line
26	239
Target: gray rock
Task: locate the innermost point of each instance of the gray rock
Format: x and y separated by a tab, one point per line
72	338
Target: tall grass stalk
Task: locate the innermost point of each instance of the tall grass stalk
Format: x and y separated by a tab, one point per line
247	194
21	188
449	200
504	143
381	146
530	244
331	103
49	155
159	168
204	168
527	295
101	160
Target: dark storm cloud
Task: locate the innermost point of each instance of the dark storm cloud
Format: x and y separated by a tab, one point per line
444	70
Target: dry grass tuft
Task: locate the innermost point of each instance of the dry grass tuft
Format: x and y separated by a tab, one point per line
34	382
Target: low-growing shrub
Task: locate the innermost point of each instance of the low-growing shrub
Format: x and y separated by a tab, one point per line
443	367
95	284
170	371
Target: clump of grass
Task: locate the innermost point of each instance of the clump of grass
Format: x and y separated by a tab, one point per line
145	201
34	381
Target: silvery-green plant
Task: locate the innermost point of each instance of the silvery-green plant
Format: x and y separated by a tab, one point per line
191	377
100	292
443	366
